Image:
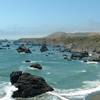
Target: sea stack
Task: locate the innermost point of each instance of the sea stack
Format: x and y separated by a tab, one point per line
44	48
24	49
28	85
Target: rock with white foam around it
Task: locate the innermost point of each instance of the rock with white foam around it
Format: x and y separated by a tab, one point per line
28	85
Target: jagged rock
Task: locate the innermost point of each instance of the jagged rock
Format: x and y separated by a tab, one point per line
38	66
14	76
28	85
22	48
44	48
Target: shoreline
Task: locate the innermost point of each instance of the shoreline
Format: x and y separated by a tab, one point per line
93	96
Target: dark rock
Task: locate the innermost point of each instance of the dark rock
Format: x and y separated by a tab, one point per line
22	48
14	76
27	61
79	55
28	85
94	57
67	58
38	66
44	48
58	46
28	51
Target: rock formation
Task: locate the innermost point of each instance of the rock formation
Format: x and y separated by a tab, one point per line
38	66
44	48
22	48
28	85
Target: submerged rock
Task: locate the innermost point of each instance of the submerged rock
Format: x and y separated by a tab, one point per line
28	85
38	66
27	61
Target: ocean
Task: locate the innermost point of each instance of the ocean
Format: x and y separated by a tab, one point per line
72	80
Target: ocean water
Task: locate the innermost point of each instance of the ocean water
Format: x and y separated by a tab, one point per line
72	80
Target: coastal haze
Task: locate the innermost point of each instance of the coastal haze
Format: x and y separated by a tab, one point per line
29	18
49	50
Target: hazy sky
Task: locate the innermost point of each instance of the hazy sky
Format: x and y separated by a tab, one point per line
25	18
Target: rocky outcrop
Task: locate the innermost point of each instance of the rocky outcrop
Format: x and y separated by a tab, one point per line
94	57
28	85
79	55
22	48
44	48
38	66
14	76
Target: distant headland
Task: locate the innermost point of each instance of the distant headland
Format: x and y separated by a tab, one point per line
88	41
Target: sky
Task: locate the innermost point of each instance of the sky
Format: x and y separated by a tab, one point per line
37	18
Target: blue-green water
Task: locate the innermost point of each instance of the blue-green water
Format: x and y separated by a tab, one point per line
71	79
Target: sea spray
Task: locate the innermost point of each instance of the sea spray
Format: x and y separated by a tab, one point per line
9	89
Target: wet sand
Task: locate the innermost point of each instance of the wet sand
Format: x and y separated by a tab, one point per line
93	96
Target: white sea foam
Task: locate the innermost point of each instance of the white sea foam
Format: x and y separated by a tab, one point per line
2	85
90	54
48	73
91	62
56	94
9	89
71	94
22	53
32	68
80	93
91	84
80	71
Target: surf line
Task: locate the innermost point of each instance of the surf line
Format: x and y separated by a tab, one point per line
57	95
9	91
